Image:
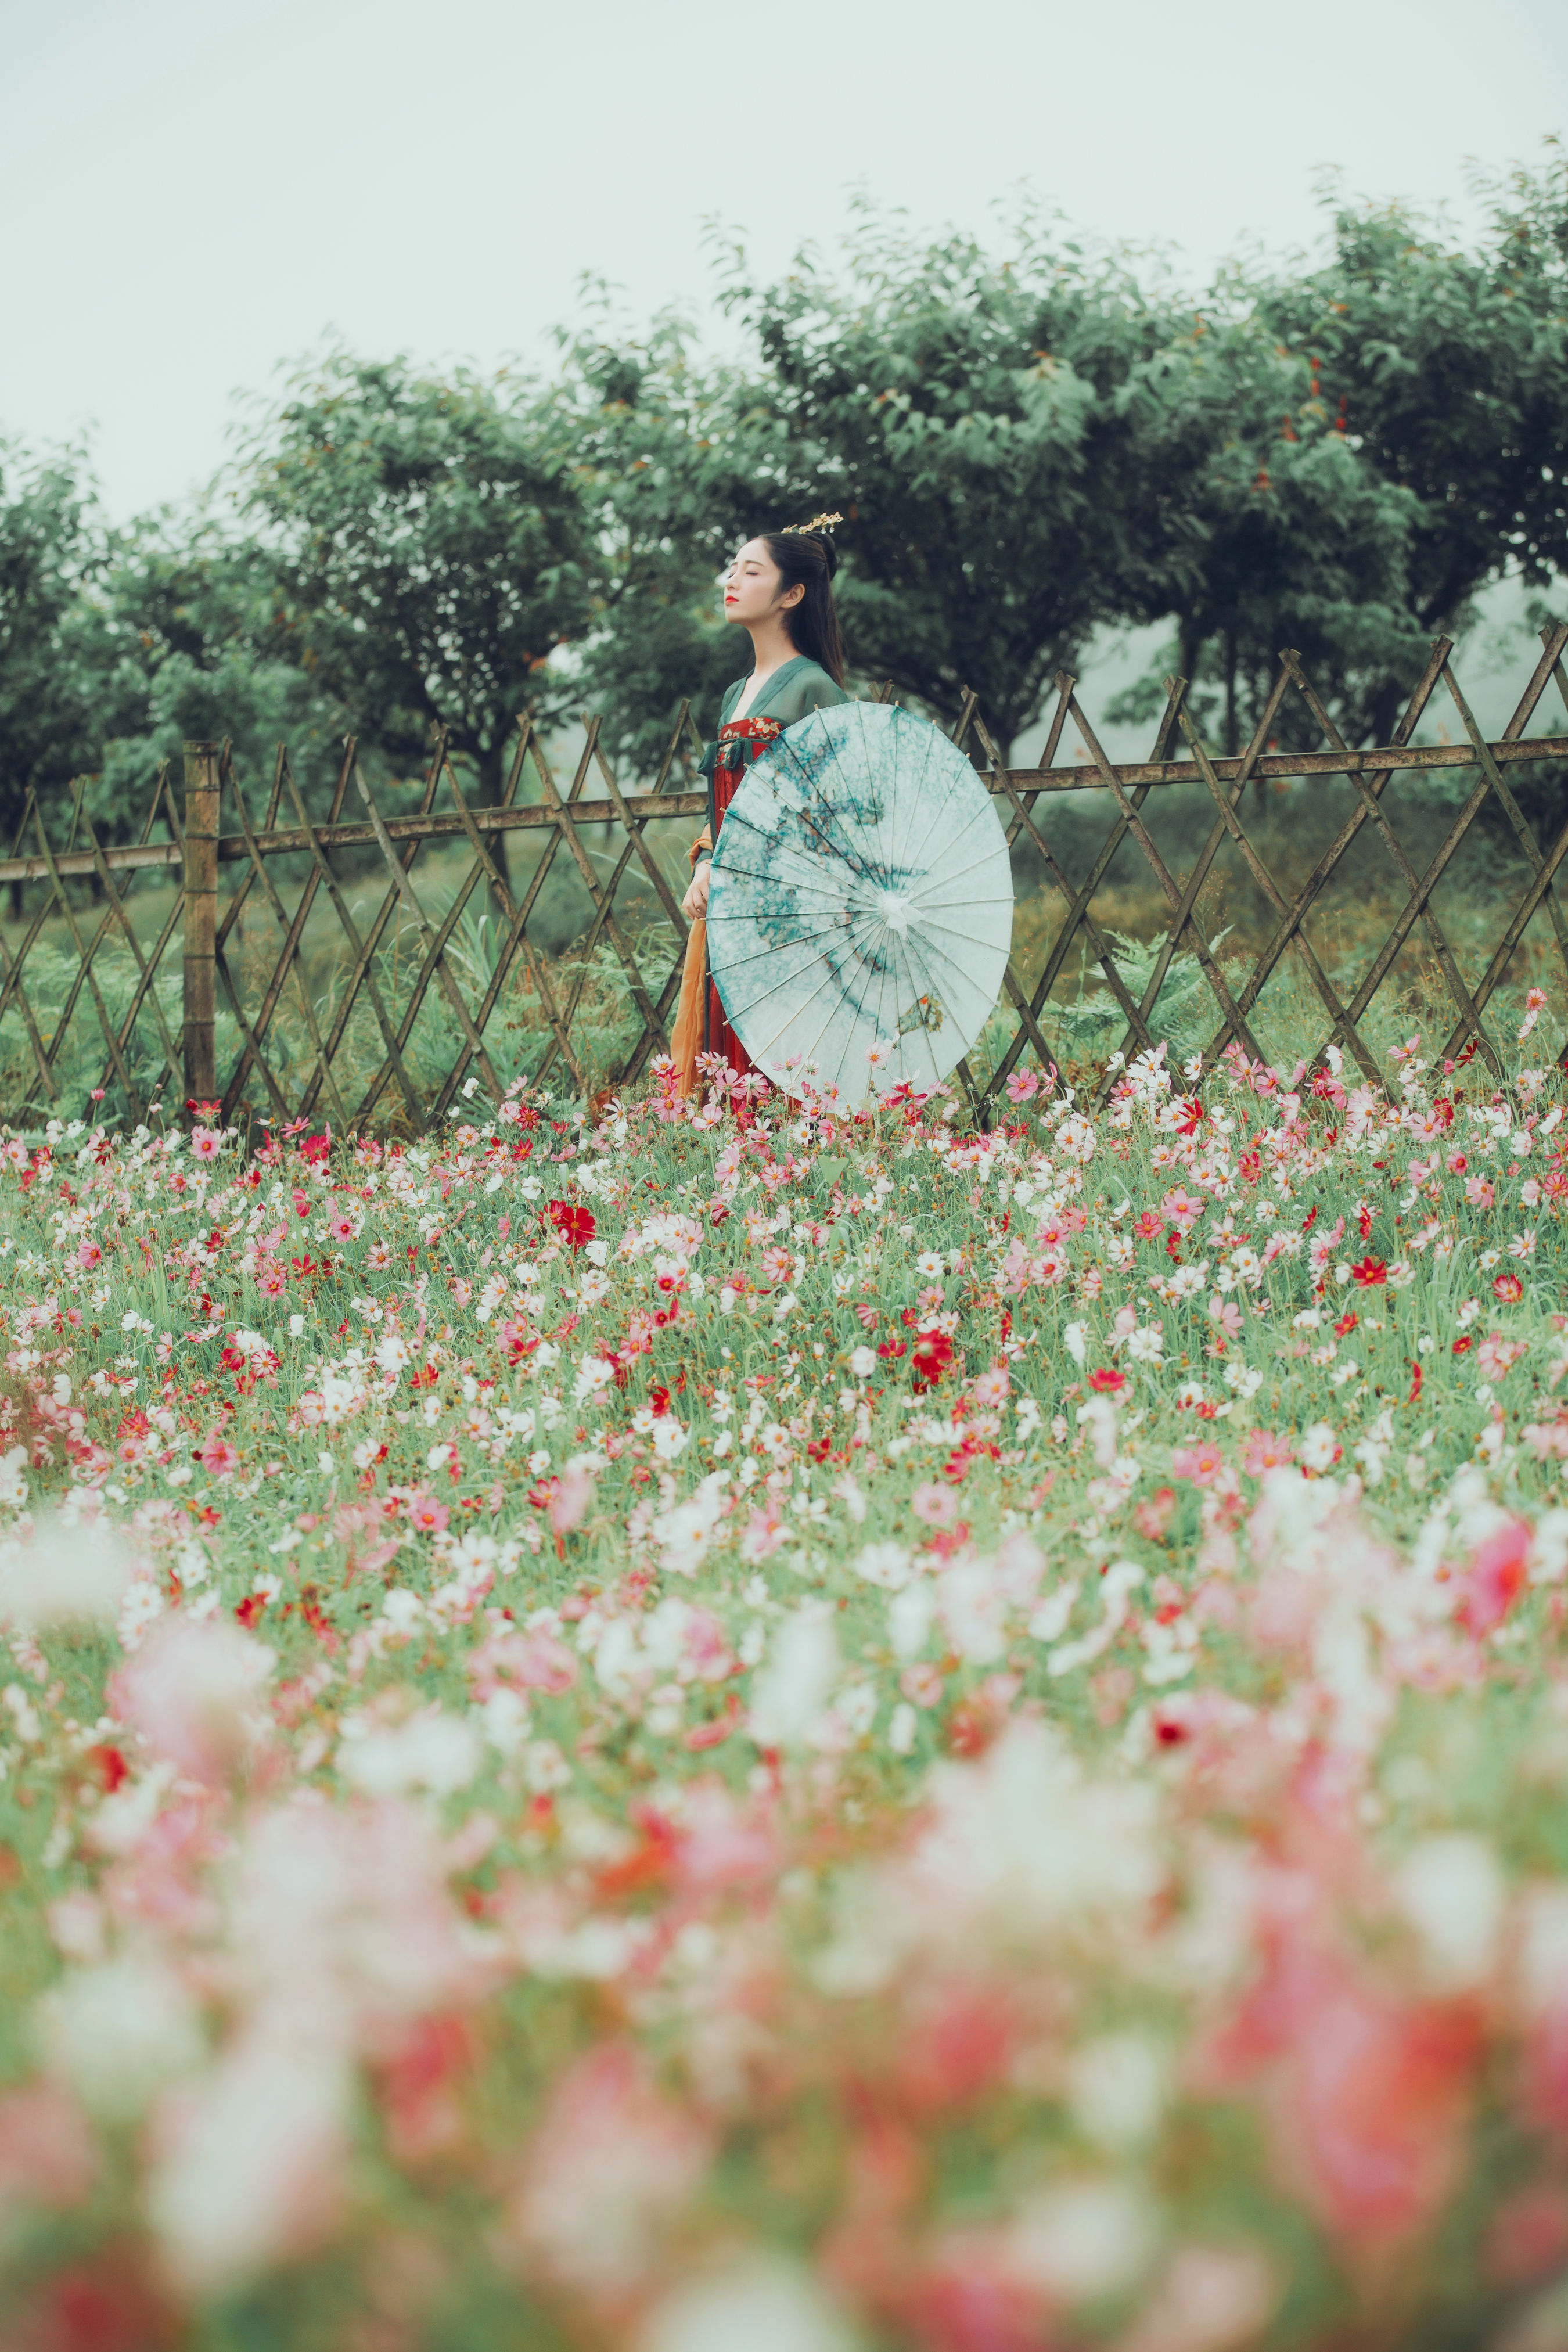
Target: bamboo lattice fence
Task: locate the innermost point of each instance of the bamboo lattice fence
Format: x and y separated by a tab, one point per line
256	1028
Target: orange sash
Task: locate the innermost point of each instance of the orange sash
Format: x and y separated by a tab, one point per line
687	1036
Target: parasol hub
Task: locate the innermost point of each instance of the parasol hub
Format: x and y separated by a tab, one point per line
895	906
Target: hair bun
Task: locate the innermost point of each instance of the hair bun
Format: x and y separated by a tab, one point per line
820	529
824	539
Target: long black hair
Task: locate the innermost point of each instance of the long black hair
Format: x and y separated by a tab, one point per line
810	559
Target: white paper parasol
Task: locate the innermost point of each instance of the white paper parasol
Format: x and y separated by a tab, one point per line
861	896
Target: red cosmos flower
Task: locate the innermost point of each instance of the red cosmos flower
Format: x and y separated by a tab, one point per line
1368	1272
888	1348
1106	1382
1509	1288
933	1355
1346	1324
516	1339
576	1225
109	1765
1149	1227
1461	1345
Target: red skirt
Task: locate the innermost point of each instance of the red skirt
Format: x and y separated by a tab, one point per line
721	1038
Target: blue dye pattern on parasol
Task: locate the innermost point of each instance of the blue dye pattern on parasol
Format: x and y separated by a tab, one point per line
861	898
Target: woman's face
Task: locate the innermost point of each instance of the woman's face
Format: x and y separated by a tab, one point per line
752	587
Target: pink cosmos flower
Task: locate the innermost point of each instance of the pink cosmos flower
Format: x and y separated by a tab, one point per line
937	1505
922	1684
1496	1577
1181	1209
205	1144
1023	1085
1508	1290
341	1228
1496	1355
88	1253
1478	1192
219	1459
572	1493
1202	1463
427	1517
1264	1450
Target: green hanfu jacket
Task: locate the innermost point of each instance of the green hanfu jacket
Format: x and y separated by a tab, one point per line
795	687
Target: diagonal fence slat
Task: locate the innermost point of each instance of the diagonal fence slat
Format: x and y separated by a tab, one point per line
255	1034
1317	881
436	946
1420	902
1082	900
364	977
1554	640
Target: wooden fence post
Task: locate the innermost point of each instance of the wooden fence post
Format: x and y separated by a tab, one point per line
199	919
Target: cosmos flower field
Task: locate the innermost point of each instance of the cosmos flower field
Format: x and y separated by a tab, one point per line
716	1724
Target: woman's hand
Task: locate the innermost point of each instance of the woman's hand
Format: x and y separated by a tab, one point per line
695	902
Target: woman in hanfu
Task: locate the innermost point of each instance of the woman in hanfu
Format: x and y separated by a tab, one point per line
778	589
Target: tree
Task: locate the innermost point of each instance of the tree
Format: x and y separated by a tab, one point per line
429	544
679	459
1447	373
1254	524
50	544
968	415
177	634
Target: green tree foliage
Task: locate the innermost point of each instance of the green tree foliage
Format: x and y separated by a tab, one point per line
50	549
176	637
679	460
972	415
1254	524
116	645
1446	373
429	549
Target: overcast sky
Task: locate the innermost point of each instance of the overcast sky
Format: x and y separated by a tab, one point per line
193	192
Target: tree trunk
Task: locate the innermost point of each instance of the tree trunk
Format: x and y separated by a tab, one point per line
1189	646
490	769
1230	719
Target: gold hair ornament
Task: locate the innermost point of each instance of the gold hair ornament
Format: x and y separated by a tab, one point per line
818	522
